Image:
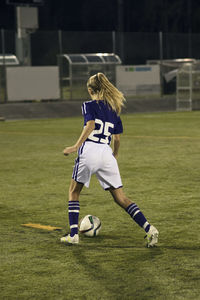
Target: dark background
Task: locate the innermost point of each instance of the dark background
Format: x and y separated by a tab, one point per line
177	16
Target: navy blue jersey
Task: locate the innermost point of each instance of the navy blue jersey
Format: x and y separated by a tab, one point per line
106	121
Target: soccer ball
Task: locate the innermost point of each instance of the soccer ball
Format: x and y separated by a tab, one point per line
90	226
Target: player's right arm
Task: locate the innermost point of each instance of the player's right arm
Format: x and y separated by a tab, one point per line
89	127
116	144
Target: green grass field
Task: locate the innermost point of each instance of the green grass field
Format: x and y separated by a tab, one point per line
160	168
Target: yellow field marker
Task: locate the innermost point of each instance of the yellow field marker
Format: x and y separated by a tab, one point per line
39	226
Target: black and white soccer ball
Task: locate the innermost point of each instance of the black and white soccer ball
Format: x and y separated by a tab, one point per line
90	226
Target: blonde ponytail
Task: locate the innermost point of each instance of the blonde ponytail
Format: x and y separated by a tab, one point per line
100	84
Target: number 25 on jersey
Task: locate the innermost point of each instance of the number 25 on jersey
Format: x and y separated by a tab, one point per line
102	134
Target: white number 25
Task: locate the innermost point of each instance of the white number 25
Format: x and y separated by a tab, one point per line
104	128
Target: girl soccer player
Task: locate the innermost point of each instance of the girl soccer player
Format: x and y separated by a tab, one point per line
95	156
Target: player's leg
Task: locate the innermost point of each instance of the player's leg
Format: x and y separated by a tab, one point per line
74	206
75	189
84	164
135	213
120	198
131	208
73	212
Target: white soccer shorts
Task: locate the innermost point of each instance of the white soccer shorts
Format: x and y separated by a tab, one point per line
97	159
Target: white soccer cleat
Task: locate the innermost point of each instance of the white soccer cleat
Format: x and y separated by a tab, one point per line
152	236
70	239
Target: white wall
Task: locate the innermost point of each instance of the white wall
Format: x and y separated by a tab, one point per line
32	83
138	80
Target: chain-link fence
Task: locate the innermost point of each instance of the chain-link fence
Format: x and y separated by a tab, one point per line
45	46
132	47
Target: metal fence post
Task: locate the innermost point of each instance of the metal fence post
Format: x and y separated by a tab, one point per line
4	64
113	42
161	61
60	41
60	45
189	30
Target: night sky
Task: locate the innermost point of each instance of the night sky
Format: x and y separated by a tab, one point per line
107	15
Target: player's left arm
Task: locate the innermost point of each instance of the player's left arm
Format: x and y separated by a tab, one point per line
116	144
89	127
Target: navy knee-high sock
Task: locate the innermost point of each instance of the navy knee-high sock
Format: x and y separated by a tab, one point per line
135	213
73	213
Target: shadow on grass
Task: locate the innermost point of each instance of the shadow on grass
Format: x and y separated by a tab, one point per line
180	247
109	264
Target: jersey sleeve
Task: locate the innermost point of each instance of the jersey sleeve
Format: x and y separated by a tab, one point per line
119	127
88	111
